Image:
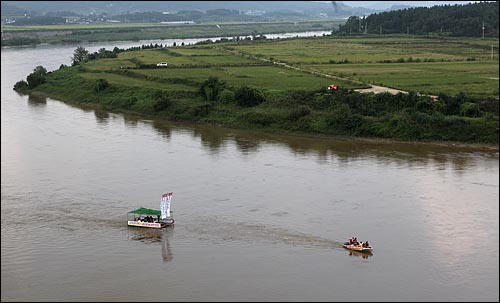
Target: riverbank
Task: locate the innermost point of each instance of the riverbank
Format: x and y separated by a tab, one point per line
228	84
452	145
56	34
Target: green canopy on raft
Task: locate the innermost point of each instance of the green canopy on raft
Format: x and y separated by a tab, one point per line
145	211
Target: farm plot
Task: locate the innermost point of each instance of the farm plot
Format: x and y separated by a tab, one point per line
475	79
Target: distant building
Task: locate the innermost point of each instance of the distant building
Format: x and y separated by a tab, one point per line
255	13
177	22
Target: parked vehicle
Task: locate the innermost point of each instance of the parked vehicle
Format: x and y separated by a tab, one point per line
333	87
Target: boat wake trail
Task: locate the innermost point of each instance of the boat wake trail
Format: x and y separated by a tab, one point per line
221	232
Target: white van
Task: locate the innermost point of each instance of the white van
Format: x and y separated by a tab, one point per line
162	64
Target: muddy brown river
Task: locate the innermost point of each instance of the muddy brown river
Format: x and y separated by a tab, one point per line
259	217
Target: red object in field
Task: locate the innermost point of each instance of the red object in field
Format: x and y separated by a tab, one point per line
333	87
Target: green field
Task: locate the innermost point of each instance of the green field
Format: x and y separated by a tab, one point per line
370	50
281	86
120	80
475	79
428	65
264	77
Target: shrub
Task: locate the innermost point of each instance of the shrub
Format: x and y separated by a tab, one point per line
300	97
341	116
201	110
247	96
258	118
37	77
226	96
100	85
425	105
299	112
469	109
161	102
211	88
21	86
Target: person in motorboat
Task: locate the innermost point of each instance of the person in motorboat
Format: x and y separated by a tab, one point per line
353	241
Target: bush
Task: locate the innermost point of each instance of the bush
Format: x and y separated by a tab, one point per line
341	116
248	96
211	88
425	105
300	97
100	85
469	109
21	86
37	77
299	112
258	118
226	96
201	110
161	102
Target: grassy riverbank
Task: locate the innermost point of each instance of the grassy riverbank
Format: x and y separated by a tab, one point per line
236	84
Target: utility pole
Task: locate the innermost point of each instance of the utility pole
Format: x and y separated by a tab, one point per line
483	29
381	29
407	30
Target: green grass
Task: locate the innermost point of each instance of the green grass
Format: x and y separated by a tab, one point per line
450	74
475	79
264	77
108	64
153	56
125	81
369	50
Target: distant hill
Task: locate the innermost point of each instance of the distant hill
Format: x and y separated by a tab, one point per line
314	9
122	7
453	20
310	8
12	10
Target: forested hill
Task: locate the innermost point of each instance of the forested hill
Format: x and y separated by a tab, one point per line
453	20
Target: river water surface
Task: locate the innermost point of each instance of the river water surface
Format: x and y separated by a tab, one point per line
259	217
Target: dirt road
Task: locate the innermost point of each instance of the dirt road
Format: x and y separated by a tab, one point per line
373	89
380	89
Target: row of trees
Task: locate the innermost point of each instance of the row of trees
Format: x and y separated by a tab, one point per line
455	20
81	54
39	20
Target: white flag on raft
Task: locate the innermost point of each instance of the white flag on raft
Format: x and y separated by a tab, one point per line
165	205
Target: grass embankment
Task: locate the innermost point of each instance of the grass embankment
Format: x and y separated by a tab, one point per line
251	93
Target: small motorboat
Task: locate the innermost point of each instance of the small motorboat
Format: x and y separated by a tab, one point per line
357	247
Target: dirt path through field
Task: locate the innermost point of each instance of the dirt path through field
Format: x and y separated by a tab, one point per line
373	89
380	89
